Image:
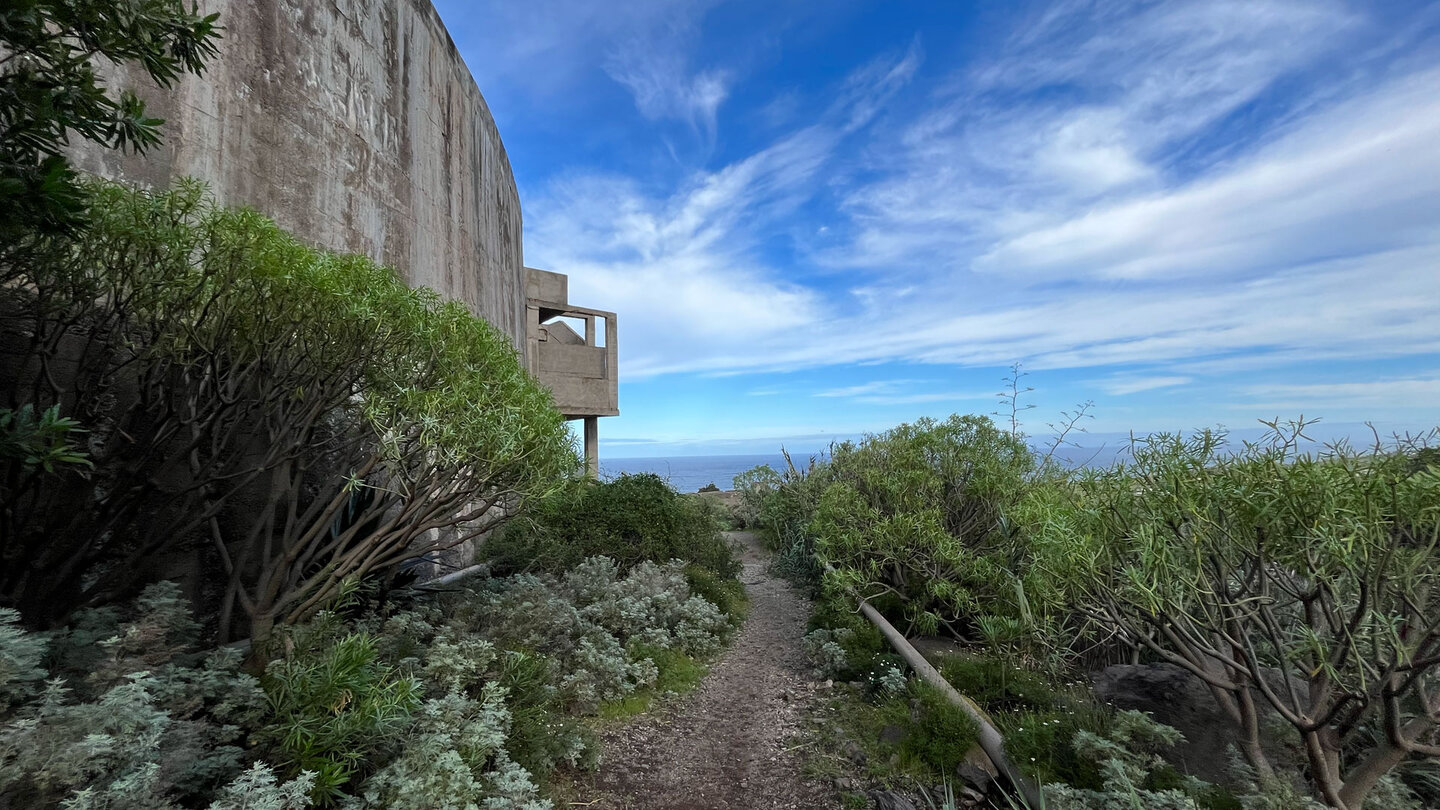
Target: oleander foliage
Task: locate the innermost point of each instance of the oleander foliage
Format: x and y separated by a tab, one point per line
1302	587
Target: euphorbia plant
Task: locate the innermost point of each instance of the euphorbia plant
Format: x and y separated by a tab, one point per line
1303	584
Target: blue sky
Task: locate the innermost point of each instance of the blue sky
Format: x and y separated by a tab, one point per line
822	219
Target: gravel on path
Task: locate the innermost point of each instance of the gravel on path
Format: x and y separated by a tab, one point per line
735	742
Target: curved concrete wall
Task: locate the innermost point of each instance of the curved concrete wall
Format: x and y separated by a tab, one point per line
355	125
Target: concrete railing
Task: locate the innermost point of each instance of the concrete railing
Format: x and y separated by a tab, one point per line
581	372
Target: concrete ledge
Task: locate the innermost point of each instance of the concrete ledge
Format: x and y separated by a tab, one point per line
547	289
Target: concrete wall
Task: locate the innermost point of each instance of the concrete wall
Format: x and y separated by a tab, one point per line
355	125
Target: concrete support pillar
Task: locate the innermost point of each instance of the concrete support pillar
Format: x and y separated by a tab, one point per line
592	445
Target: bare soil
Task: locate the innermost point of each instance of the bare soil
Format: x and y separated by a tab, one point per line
736	742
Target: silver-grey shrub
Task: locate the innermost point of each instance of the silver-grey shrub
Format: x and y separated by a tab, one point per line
587	621
21	654
454	759
140	722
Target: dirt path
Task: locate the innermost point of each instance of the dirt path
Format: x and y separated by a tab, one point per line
731	744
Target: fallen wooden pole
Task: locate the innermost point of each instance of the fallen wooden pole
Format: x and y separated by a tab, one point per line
463	573
991	741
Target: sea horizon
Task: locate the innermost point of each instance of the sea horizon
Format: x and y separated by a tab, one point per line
690	473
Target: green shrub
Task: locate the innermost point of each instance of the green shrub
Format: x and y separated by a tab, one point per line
334	707
888	675
392	419
453	758
795	562
941	733
62	749
503	668
725	593
675	671
582	642
842	644
21	657
997	684
542	736
257	789
921	513
1041	742
754	486
1321	566
630	519
780	507
1122	768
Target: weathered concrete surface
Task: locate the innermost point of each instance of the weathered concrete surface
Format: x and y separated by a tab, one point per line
581	373
356	125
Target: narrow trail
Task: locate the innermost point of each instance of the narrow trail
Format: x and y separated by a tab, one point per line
732	744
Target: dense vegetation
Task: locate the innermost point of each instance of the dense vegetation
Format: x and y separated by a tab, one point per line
632	518
1301	588
461	699
209	430
300	420
196	396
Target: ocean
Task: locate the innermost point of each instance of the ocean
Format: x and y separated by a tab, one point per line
690	473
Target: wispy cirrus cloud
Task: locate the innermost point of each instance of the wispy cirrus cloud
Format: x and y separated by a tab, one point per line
1162	194
1420	391
873	387
900	392
550	47
1122	384
664	89
1087	104
685	266
1343	184
1314	238
655	66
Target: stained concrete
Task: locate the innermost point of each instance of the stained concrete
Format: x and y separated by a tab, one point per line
355	125
581	373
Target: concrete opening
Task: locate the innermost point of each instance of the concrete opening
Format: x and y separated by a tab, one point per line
572	351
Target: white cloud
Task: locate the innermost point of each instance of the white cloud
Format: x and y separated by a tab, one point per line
1120	385
923	398
681	270
1104	225
894	392
1346	181
1085	105
545	47
873	387
1416	391
655	68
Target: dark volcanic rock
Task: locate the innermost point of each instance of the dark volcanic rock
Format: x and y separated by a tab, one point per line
1176	698
890	800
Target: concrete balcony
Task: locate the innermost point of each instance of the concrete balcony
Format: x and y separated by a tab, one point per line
580	370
